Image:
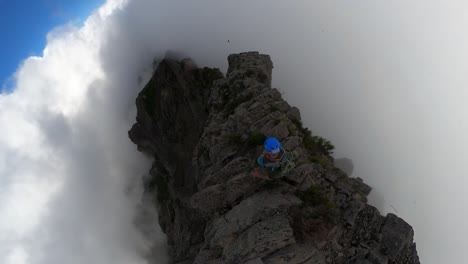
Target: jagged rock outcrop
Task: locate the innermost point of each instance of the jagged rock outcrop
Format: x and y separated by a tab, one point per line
216	206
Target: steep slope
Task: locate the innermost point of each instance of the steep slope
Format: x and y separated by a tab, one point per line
215	205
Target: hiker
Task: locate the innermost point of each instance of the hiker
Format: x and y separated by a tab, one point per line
273	158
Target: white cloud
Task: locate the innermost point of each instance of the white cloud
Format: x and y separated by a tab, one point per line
385	81
66	161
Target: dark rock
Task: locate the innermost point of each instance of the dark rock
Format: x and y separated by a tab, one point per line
397	235
292	143
280	131
253	64
250	211
294	113
352	210
209	199
254	261
241	185
236	166
297	253
260	240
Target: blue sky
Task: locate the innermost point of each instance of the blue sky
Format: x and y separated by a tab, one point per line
24	25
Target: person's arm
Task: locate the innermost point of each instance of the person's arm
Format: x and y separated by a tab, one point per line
284	158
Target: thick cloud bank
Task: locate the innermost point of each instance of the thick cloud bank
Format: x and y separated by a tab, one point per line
69	174
384	80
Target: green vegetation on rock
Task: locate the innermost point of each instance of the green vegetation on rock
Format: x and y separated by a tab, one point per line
323	161
312	142
314	197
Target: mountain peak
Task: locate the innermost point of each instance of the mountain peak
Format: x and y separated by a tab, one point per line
217	205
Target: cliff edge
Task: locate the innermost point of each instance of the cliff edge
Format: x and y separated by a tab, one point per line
217	206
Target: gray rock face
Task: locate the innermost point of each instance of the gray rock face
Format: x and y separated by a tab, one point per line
396	235
260	240
252	210
216	206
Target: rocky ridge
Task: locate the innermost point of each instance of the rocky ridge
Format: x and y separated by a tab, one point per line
216	206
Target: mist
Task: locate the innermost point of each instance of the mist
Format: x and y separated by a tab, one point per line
384	81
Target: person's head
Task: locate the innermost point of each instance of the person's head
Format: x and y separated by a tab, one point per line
272	146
